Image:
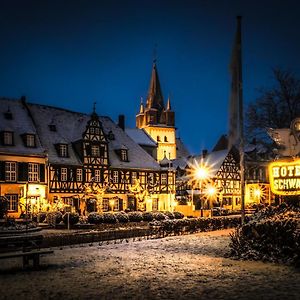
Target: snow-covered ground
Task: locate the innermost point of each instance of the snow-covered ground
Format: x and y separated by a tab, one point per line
181	267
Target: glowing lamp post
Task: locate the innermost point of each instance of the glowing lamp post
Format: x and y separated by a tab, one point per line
201	174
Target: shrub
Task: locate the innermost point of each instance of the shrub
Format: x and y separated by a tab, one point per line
41	217
135	216
54	218
178	215
169	214
109	218
122	217
73	218
148	216
95	218
159	216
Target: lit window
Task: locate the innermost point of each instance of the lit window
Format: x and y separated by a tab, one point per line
105	204
8	138
154	204
124	155
133	177
116	204
79	175
33	172
63	150
151	178
115	177
13	201
164	178
30	140
97	175
10	171
63	174
95	151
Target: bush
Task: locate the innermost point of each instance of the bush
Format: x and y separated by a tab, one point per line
169	214
73	218
109	218
148	216
54	218
41	217
95	218
122	217
159	216
178	215
135	216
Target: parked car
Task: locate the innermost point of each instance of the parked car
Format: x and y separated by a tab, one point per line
220	211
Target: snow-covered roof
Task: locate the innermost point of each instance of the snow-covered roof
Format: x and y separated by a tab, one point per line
70	127
181	150
213	160
20	123
141	137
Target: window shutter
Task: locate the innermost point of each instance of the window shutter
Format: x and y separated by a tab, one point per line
22	171
2	170
42	173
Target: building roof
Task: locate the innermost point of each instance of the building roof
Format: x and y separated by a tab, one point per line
70	127
141	137
21	123
181	150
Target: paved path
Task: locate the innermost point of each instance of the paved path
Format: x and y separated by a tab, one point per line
185	267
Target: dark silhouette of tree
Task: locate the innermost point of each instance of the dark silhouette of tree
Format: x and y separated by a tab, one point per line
276	107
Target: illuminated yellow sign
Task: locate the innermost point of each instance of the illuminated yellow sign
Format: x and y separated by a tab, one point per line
285	177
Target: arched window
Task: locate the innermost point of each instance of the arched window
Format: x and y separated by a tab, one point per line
158	138
166	139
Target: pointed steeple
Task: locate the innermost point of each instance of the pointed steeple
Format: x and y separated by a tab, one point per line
142	108
168	104
155	97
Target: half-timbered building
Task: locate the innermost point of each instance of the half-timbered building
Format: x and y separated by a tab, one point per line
23	181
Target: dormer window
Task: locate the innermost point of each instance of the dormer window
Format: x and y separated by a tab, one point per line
124	155
8	115
111	136
52	127
7	138
63	150
30	140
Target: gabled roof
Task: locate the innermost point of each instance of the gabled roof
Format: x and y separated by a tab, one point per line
141	137
71	125
21	123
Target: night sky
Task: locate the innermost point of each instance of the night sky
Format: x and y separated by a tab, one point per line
72	53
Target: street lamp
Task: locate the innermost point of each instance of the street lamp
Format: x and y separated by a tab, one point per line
201	174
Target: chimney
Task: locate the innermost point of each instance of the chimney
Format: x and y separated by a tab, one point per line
121	122
204	153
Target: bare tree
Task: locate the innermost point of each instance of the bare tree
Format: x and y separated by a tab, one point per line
276	107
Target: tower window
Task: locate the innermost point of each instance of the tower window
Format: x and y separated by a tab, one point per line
166	139
158	138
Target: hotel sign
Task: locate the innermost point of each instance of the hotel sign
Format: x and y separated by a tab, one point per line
285	177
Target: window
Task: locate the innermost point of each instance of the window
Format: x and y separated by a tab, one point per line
8	138
33	172
63	150
97	130
105	204
158	138
95	151
164	178
124	156
97	175
30	140
10	171
166	139
79	175
133	177
116	204
151	178
92	130
63	174
115	176
154	204
52	127
13	201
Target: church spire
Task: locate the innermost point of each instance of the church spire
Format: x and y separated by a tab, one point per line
155	97
168	104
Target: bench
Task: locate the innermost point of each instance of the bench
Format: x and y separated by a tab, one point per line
33	255
26	246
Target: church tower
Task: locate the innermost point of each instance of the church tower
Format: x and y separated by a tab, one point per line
157	120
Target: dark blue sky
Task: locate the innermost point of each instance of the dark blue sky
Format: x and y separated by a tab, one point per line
72	53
